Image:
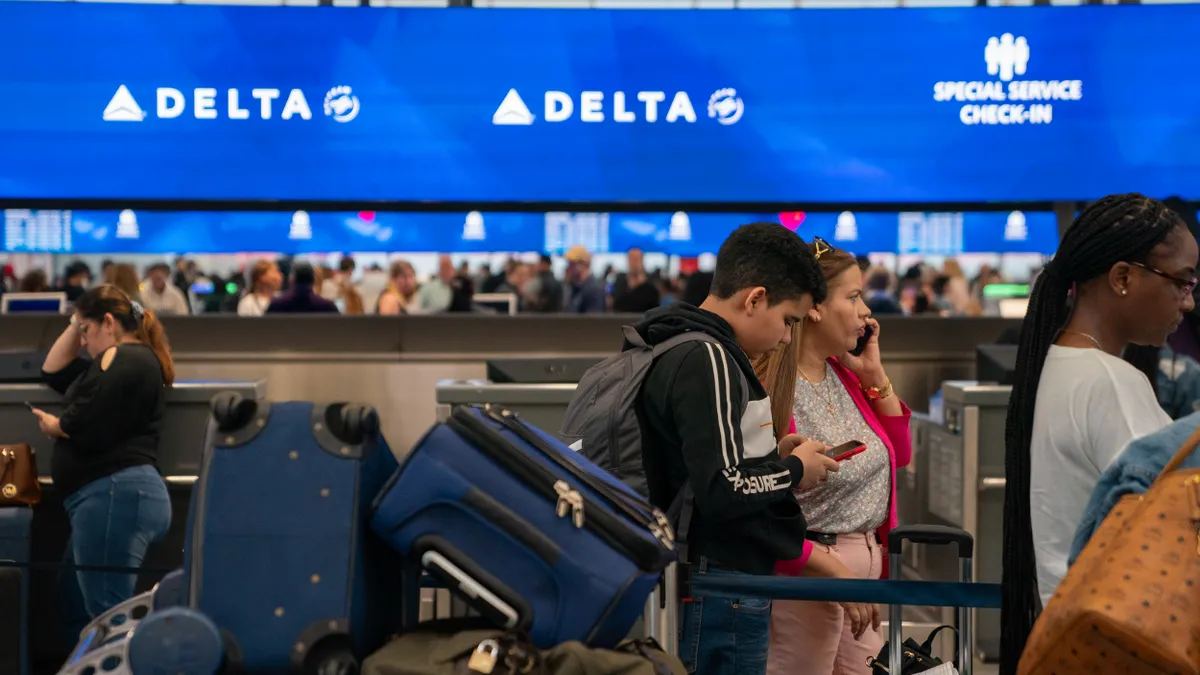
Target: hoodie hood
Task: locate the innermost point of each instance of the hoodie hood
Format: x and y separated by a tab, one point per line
659	325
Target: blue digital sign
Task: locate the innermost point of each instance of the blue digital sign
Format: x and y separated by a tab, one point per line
852	106
679	233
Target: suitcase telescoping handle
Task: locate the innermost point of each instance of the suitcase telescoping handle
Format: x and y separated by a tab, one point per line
489	596
935	535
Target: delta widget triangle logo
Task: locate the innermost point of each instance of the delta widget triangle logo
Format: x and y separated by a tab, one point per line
512	111
123	107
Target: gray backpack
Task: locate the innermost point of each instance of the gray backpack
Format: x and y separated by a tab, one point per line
601	422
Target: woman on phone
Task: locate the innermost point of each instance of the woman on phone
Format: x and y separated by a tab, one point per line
834	395
106	445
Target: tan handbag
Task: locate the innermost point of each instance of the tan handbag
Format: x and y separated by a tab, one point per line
18	476
1131	601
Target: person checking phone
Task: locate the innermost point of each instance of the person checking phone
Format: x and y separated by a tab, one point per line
836	396
106	446
706	423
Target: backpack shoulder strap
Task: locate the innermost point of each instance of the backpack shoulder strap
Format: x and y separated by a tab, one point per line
691	336
676	340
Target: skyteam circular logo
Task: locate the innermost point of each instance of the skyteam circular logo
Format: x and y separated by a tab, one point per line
725	106
341	104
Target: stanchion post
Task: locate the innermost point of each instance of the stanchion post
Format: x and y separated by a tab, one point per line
895	619
966	638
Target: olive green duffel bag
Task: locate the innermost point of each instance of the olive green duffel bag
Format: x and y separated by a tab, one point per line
433	650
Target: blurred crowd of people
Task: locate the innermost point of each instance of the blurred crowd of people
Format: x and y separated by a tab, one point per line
285	285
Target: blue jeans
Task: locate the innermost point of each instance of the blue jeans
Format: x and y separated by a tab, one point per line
723	636
113	522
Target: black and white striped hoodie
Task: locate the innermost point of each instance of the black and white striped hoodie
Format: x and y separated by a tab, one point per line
695	428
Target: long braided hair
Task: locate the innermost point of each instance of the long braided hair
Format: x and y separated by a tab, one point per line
1114	229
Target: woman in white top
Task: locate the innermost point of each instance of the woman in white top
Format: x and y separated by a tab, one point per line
1123	274
265	281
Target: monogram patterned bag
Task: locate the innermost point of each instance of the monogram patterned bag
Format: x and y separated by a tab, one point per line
18	476
1131	602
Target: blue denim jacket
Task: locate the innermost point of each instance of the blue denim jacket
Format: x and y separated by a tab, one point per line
1133	472
1178	383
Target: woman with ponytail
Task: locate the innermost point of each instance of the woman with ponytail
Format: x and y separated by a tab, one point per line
106	445
1123	274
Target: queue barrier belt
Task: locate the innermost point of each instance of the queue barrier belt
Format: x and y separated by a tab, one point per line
879	591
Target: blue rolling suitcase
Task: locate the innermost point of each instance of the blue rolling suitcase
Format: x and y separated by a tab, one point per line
531	534
16	525
279	554
148	634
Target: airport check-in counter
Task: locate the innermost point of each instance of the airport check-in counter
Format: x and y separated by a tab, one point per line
537	389
957	478
180	447
542	405
182	433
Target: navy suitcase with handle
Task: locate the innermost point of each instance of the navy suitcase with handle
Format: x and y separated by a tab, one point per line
533	535
279	553
16	526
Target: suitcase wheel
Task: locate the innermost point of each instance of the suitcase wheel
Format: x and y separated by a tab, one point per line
359	422
231	411
175	640
231	664
332	655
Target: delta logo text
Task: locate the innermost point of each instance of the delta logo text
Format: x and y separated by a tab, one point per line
1008	98
724	106
207	103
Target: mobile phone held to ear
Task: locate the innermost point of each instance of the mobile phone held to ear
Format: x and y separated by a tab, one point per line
845	450
862	341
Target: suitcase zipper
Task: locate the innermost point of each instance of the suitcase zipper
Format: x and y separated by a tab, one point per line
569	501
637	509
607	526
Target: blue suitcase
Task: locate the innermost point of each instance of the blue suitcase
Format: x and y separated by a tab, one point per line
146	635
530	533
16	525
279	554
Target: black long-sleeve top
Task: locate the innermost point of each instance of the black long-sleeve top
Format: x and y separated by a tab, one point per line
695	429
112	416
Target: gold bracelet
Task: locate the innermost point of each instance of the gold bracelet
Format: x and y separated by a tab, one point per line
879	393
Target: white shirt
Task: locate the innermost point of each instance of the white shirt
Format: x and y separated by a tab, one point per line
170	301
1089	406
253	304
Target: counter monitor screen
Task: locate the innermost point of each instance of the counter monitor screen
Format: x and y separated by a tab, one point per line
995	363
23	303
539	371
500	303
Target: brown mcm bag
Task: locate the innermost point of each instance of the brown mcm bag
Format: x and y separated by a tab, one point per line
1131	602
18	476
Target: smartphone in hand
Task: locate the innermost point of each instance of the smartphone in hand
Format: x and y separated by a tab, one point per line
862	341
845	450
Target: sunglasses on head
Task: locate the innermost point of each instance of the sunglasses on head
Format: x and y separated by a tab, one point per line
820	247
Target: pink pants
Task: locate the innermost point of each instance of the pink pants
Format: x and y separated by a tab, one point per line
814	638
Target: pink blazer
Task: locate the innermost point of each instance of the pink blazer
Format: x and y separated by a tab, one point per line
896	436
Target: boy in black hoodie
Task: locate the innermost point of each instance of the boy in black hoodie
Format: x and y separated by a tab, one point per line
695	430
